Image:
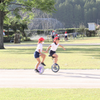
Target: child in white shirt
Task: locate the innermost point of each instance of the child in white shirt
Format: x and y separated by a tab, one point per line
53	34
66	36
38	53
53	49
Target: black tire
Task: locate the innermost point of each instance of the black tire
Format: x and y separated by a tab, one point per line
55	68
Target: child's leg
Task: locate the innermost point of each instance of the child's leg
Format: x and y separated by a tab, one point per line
43	57
56	58
38	59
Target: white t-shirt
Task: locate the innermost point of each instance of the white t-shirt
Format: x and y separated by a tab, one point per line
53	33
39	46
4	33
66	34
54	47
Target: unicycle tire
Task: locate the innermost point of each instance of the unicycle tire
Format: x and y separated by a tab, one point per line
55	68
41	69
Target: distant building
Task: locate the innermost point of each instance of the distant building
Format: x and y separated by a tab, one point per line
91	26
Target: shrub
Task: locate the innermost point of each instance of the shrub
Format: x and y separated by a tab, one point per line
24	39
90	33
8	38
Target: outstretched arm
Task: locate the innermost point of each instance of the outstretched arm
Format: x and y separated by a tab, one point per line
44	51
48	48
62	47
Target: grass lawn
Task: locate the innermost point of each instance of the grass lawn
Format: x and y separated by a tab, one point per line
75	57
49	94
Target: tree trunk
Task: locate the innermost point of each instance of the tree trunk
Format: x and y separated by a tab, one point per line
1	29
16	38
24	34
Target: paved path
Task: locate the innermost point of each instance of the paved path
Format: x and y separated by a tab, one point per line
62	79
49	44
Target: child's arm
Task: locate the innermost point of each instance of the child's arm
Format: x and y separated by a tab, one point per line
48	48
62	47
39	51
44	51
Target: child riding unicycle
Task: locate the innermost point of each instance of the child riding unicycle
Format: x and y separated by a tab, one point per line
53	47
37	54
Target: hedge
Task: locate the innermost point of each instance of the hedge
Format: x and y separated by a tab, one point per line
8	38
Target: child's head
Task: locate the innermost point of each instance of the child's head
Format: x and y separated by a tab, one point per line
65	32
41	39
56	34
56	40
53	31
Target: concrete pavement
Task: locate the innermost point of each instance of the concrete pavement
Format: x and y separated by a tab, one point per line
63	79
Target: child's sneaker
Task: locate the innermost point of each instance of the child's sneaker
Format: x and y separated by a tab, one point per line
36	70
43	64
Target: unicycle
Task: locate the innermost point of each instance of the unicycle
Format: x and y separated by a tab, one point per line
54	68
41	69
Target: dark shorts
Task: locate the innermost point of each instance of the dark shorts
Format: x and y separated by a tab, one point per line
36	54
65	36
51	53
52	36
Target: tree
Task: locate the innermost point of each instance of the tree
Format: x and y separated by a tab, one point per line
9	6
19	24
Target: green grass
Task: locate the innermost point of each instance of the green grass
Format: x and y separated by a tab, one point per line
75	57
49	94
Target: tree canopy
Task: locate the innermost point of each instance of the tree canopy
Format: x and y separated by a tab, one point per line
15	6
76	12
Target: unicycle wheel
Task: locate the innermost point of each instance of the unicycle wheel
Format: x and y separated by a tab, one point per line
55	68
41	69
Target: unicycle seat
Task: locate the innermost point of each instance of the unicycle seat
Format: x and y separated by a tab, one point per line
51	56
